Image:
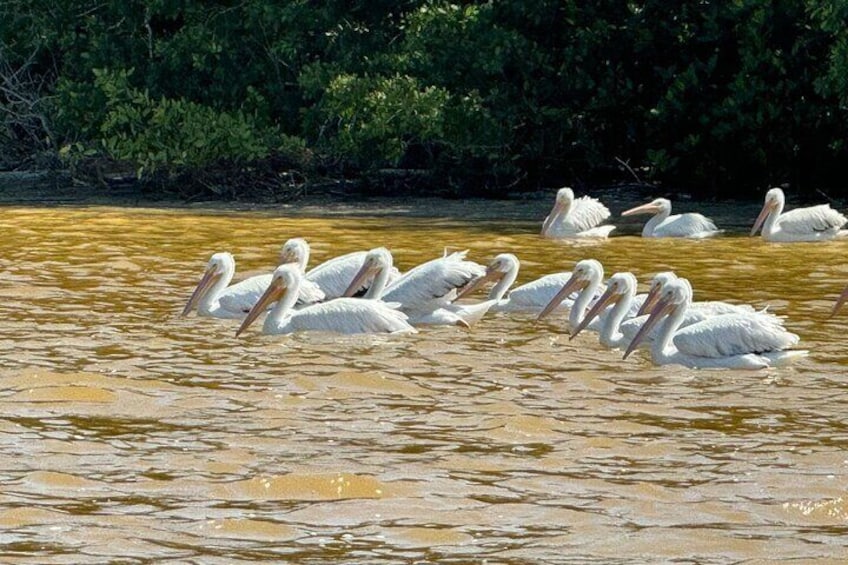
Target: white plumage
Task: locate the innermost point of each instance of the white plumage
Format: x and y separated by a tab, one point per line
214	298
341	315
815	223
586	278
425	292
529	297
334	275
663	224
576	218
752	340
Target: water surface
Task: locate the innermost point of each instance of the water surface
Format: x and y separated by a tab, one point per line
131	433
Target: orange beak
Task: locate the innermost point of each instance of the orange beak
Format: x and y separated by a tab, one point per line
758	223
605	300
572	285
273	293
840	301
209	277
643	209
662	308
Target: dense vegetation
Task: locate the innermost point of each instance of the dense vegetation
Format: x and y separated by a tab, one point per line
472	97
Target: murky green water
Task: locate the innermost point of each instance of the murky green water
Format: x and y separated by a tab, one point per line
128	432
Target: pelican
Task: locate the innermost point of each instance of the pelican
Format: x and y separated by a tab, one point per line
214	298
840	301
576	218
708	307
332	276
425	292
341	315
753	340
815	223
617	332
586	278
529	297
693	225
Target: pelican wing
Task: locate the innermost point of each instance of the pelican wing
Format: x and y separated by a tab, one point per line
538	293
586	213
819	218
734	334
310	293
428	284
351	316
686	225
334	276
241	296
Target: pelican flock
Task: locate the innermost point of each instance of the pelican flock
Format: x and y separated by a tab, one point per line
363	291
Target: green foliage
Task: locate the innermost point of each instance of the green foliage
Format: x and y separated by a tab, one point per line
485	95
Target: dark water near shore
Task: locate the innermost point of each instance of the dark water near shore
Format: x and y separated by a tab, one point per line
130	433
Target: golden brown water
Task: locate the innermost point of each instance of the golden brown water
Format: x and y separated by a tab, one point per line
131	433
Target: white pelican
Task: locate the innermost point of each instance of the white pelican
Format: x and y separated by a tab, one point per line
692	224
753	340
708	307
815	223
586	278
213	297
341	315
529	297
332	276
425	292
576	218
617	332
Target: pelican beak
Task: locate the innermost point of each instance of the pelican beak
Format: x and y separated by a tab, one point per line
490	275
573	284
662	308
605	300
650	300
359	279
209	277
840	301
764	213
643	209
556	212
273	293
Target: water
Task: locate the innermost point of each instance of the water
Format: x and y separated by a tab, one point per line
130	433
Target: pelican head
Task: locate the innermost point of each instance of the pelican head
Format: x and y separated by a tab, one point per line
657	285
585	272
284	277
295	250
674	295
501	266
562	205
619	285
773	204
377	260
219	265
657	206
840	301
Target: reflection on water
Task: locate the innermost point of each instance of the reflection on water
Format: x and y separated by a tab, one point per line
132	433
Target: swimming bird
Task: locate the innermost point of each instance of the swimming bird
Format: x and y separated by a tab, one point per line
213	297
619	326
753	340
340	315
529	297
425	292
586	278
691	224
576	218
708	307
815	223
334	275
